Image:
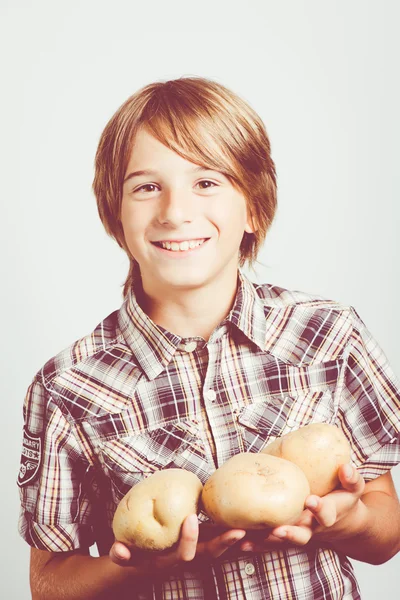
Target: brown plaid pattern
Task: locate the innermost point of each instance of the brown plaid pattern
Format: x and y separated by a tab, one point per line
131	398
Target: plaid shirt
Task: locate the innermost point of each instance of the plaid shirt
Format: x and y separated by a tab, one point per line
132	398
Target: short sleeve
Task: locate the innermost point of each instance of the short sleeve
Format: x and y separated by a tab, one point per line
370	404
53	478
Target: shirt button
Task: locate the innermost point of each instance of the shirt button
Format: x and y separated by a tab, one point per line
249	569
190	346
211	395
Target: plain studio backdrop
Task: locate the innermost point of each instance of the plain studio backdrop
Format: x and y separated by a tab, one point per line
324	77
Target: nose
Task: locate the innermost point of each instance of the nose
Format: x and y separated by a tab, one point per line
176	207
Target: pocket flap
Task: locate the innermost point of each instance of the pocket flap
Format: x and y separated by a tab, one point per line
278	415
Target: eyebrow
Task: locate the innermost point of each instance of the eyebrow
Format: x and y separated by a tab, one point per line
152	172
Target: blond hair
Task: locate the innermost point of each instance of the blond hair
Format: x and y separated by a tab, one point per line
205	123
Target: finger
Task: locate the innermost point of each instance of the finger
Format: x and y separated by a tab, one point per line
351	479
269	543
306	518
299	536
186	549
324	509
187	546
120	554
217	546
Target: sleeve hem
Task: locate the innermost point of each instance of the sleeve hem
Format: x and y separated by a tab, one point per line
54	538
382	461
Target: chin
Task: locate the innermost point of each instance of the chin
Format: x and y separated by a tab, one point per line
191	282
184	278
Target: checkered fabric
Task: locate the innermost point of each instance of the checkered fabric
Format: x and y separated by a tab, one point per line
131	398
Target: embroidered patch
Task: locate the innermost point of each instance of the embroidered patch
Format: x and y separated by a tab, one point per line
31	458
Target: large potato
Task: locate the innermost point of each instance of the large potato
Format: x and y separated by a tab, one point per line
150	515
318	449
255	491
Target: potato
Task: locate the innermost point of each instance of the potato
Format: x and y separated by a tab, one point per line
318	449
150	515
255	491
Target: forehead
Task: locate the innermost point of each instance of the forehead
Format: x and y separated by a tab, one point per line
148	153
145	145
201	146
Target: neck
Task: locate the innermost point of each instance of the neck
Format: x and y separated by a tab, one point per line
192	312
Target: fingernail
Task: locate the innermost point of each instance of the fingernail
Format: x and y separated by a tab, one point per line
247	547
348	471
193	521
281	533
312	503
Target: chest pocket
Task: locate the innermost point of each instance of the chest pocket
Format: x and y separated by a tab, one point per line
262	422
128	458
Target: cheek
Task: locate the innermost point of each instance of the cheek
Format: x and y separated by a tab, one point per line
230	219
133	223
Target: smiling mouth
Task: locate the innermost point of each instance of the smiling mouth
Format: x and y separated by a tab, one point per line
181	246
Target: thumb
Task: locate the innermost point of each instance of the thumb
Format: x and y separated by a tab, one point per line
351	480
119	553
217	546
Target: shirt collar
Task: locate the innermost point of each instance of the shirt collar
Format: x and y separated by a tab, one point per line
247	313
153	346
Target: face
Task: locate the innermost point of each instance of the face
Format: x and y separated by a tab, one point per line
196	212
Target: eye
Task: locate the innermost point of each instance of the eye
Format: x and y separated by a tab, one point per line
207	181
147	185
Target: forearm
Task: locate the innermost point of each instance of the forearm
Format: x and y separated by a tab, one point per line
370	533
83	577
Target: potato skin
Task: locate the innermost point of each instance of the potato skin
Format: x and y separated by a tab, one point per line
255	491
150	515
318	449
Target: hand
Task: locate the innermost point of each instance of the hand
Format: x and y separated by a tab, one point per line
324	518
187	548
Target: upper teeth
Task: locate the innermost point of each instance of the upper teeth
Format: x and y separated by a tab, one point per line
182	245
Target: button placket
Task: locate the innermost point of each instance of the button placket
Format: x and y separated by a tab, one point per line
211	395
250	569
214	407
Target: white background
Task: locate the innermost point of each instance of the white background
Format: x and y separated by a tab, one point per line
324	78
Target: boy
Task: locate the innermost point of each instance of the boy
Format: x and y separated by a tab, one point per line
198	365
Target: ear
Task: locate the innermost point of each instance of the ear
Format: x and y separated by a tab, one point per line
250	226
